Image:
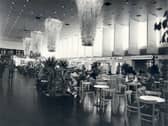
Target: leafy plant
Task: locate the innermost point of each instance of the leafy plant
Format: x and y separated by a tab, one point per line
154	70
164	69
125	68
63	63
51	62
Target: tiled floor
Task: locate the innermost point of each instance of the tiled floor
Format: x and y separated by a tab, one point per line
20	105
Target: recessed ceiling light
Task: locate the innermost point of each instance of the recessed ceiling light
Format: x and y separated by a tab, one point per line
159	8
21	10
140	8
38	17
134	4
67	24
32	13
27	0
26	30
107	4
154	2
13	2
138	15
126	1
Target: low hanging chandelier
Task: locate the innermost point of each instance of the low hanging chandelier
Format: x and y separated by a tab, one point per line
37	38
53	29
27	46
89	11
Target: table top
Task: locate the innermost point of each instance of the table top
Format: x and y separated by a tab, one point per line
101	86
86	82
44	81
106	79
101	82
147	92
157	82
134	83
152	99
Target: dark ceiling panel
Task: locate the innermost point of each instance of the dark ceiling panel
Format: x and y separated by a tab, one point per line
18	17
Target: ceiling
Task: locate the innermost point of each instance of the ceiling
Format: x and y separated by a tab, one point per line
19	17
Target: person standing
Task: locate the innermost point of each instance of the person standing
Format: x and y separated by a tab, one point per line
1	68
11	67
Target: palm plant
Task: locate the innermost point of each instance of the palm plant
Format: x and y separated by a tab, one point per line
63	64
51	62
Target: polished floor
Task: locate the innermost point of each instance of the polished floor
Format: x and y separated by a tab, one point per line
20	105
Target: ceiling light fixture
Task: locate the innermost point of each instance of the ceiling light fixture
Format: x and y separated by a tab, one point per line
126	1
13	2
154	2
89	12
37	38
107	3
134	4
37	17
159	8
138	15
53	29
67	24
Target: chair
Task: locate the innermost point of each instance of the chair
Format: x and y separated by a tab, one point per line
134	86
107	96
156	86
149	113
118	99
153	93
84	88
165	90
131	107
164	113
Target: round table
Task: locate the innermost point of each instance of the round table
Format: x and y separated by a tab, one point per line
101	83
152	99
85	86
99	94
44	81
101	86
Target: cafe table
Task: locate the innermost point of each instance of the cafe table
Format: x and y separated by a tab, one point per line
99	86
85	86
152	100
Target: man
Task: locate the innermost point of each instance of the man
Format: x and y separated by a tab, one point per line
11	67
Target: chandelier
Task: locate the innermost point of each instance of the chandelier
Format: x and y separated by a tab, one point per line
27	46
52	31
89	12
37	38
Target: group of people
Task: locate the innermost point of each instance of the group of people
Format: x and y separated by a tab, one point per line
9	64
